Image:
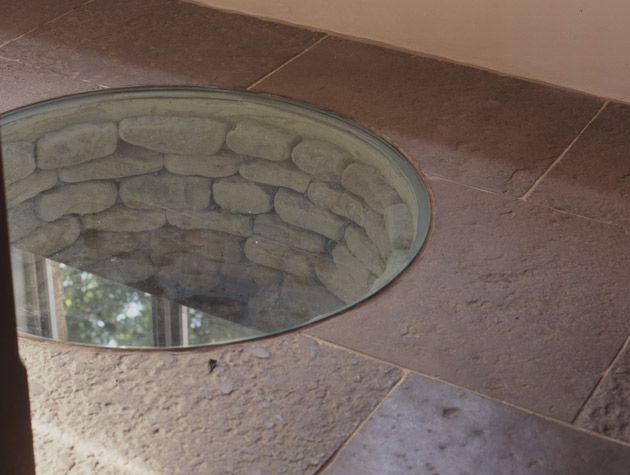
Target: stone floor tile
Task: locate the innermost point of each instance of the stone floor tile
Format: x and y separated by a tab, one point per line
428	427
277	406
516	301
21	85
138	42
593	179
21	16
608	411
461	123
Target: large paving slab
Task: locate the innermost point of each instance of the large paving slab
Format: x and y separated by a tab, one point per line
277	406
428	427
608	410
461	123
20	16
593	179
130	42
516	301
21	85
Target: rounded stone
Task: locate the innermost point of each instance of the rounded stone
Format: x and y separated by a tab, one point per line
185	217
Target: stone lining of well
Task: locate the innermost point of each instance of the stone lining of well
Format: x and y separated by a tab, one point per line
267	223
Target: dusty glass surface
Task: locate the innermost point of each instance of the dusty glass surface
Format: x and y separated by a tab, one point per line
174	217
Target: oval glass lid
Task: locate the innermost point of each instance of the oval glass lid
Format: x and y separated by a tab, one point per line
177	217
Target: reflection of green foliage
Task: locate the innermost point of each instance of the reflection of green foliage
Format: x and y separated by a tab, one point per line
102	312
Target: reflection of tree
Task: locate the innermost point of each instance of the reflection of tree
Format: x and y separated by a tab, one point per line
102	312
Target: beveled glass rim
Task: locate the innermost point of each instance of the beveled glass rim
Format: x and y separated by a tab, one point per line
331	119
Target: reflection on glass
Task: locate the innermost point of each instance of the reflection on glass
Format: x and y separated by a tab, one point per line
57	301
177	217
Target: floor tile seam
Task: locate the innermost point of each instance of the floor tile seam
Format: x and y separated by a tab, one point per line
47	22
530	203
53	71
362	424
625	346
409	371
287	62
564	153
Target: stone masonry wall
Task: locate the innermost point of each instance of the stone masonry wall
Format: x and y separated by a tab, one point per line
246	220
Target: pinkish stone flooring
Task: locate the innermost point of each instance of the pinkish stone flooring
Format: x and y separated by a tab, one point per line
501	349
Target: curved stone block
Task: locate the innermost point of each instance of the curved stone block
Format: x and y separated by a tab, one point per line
322	160
83	198
128	160
76	144
18	160
259	140
241	196
297	210
368	183
178	135
166	192
275	174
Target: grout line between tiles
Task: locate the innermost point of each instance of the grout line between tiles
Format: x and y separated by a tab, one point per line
563	154
2	45
286	63
589	398
408	371
506	196
362	424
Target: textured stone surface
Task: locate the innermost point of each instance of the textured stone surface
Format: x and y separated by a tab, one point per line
222	247
245	276
322	160
126	270
272	227
18	161
126	161
215	220
240	196
51	237
179	135
163	412
20	17
23	85
297	210
76	144
398	224
278	256
368	183
276	174
22	220
364	250
608	409
214	166
306	298
256	139
29	187
201	47
166	191
191	272
341	281
82	198
121	218
338	201
376	231
592	179
461	123
430	427
94	246
519	302
395	262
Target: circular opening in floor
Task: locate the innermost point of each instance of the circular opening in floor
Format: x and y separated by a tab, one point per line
176	217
